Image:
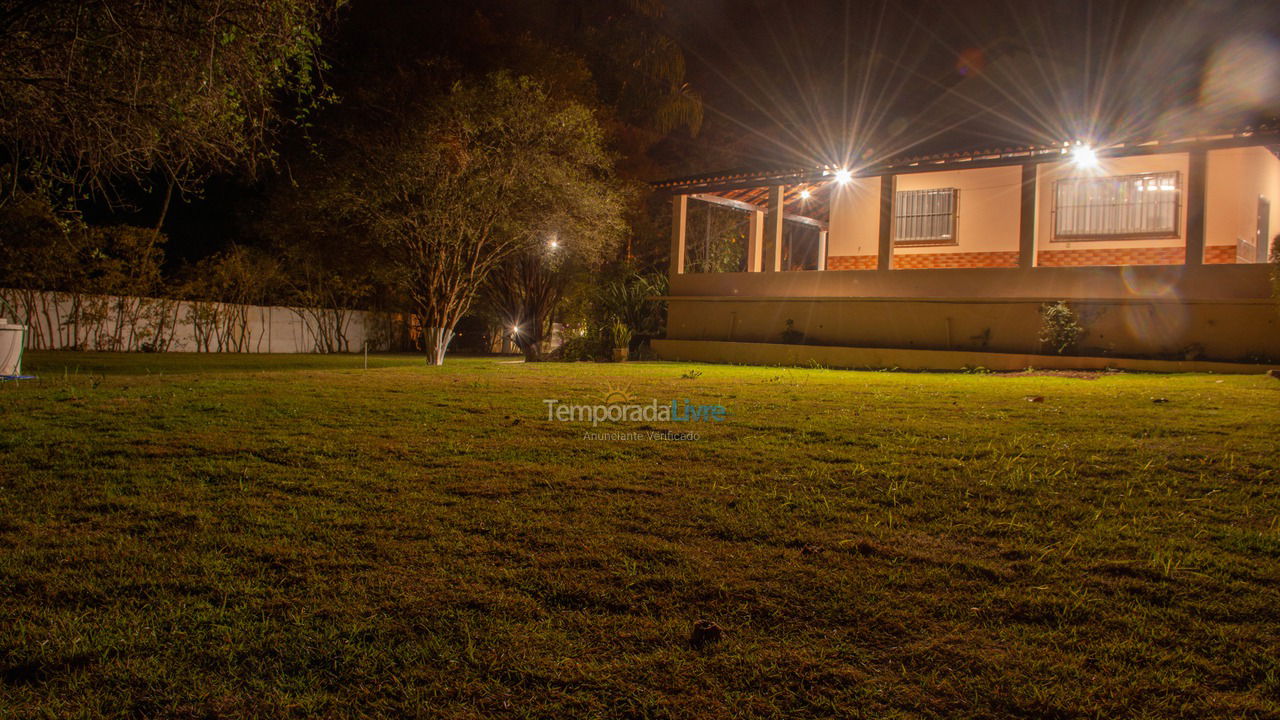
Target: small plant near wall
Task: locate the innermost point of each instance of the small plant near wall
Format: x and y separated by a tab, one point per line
792	336
1060	328
1275	270
620	334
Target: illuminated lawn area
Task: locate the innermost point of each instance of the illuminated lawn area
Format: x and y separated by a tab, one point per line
290	536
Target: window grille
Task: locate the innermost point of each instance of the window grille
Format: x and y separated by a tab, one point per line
925	216
1119	206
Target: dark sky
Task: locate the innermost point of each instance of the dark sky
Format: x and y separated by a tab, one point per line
841	79
791	83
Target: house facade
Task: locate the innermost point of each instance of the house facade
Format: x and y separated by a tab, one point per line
1160	248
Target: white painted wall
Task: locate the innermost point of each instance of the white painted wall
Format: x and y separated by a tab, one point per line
1237	178
855	218
988	210
61	321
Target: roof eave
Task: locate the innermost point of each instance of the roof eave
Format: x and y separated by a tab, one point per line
1267	135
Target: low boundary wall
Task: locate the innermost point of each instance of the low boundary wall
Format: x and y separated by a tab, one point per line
739	353
66	321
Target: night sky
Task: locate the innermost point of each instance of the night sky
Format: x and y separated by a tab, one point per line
800	78
790	83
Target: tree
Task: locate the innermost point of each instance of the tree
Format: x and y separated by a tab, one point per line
617	57
328	269
95	92
522	295
75	284
490	170
527	292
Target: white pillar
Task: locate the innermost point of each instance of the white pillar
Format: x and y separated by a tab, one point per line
755	241
679	216
773	229
822	249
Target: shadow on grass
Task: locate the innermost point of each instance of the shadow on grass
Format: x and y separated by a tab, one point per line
36	672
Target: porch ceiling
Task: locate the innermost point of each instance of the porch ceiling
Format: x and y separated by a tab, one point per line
816	206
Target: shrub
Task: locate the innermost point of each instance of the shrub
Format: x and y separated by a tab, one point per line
1059	326
629	299
792	336
590	344
576	348
1275	270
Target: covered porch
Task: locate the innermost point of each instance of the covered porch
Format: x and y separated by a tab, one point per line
1191	201
1161	247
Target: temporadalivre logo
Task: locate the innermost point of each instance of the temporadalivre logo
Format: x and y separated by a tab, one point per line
619	404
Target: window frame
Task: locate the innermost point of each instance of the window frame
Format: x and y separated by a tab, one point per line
1175	234
790	247
929	242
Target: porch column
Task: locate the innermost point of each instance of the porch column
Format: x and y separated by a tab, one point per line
679	214
1196	187
1027	218
822	250
773	230
755	240
884	257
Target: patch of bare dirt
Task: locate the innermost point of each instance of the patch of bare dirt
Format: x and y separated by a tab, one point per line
1078	374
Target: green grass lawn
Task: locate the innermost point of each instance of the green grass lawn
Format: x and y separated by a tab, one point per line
294	536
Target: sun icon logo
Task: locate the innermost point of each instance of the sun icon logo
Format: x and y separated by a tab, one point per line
620	395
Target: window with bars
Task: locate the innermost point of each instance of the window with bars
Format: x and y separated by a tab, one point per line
1120	206
925	216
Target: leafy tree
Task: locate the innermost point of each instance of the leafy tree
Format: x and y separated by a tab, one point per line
328	266
93	92
530	290
616	57
238	275
491	169
103	273
717	239
221	288
522	295
38	247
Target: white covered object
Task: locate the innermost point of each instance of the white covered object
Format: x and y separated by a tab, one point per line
11	337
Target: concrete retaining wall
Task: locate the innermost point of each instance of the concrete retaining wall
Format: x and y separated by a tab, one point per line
739	353
1232	331
1209	312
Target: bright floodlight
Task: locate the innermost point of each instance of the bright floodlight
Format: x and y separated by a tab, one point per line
804	194
843	176
553	244
515	328
1084	156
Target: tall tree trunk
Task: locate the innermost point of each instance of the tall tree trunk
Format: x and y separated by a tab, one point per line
436	340
532	350
164	209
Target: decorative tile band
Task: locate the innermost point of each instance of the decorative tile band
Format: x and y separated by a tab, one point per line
956	260
851	262
1213	255
1111	256
1220	255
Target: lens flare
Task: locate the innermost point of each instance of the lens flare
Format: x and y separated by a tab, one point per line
1243	75
1084	157
1162	322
